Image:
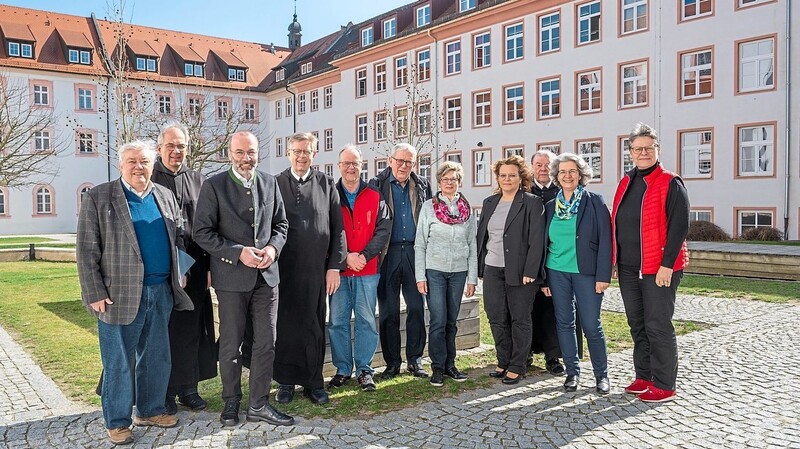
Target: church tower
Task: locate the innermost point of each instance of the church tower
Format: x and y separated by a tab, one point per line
295	31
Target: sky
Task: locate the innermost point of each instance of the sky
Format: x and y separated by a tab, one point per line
262	21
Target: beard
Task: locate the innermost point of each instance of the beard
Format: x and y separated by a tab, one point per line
245	169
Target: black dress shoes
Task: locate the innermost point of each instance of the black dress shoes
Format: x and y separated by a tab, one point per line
230	415
193	401
170	405
512	380
554	367
285	394
603	387
268	414
571	384
417	371
498	374
390	372
317	395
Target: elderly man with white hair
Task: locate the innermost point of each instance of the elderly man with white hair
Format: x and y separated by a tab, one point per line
128	232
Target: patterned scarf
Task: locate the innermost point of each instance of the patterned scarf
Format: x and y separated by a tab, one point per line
448	216
566	209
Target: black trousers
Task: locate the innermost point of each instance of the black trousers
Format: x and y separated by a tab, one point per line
509	311
397	273
262	306
649	309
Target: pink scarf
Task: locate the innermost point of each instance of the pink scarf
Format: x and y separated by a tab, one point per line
443	213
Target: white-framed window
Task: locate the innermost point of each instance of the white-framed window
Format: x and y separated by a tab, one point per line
452	113
86	57
41	95
483	108
634	16
692	9
306	68
301	104
589	22
401	122
749	219
41	140
424	65
453	55
589	93
280	75
3	202
151	64
700	215
424	166
389	28
85	143
514	42
164	104
514	151
193	69
423	15
73	56
555	148
250	111
482	50
550	32
453	157
756	65
278	109
482	167
625	159
514	104
327	95
329	170
222	109
756	150
696	159
400	71
423	118
746	3
380	165
129	101
314	100
591	152
361	82
381	129
85	99
366	37
328	139
44	200
365	171
279	147
20	49
550	98
696	74
633	84
236	74
141	64
13	49
380	77
361	129
466	5
26	50
289	106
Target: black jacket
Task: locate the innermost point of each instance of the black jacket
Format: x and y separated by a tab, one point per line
420	192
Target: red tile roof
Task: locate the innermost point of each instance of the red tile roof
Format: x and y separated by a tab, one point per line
75	39
17	31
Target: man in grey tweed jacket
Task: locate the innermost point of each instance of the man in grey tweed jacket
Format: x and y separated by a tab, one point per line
129	231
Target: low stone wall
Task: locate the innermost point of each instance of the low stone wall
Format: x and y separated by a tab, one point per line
760	261
47	254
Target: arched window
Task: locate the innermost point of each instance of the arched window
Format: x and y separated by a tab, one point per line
3	202
44	200
82	189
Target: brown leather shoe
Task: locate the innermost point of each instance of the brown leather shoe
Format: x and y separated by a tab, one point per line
122	435
162	420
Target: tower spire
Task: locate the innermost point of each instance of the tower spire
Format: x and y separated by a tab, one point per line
295	31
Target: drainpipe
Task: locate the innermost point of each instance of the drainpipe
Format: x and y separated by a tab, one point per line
108	131
294	109
788	144
435	61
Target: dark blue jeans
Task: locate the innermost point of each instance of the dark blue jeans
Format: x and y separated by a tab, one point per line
445	291
567	289
147	336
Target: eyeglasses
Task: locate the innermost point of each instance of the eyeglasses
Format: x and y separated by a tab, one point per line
302	152
571	172
639	150
406	162
172	147
350	164
448	180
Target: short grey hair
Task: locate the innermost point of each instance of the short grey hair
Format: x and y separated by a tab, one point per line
450	166
354	149
404	147
584	169
173	125
643	130
303	137
550	155
145	147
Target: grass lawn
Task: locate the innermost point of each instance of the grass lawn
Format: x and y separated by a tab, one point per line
733	287
756	242
23	240
40	306
38	245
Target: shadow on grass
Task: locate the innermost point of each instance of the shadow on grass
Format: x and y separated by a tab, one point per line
72	311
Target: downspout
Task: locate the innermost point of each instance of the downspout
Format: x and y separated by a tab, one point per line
294	109
788	144
657	81
108	130
435	61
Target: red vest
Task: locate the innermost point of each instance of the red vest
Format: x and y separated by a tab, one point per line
653	228
359	227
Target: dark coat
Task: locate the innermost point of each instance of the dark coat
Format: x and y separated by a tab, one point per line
592	236
523	239
419	191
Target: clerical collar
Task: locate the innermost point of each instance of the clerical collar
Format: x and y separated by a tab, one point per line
298	177
142	194
543	187
241	178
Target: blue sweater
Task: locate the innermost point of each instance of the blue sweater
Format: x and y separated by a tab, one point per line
151	233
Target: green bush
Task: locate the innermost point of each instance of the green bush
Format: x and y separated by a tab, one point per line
763	234
705	231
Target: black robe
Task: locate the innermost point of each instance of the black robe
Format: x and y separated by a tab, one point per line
314	244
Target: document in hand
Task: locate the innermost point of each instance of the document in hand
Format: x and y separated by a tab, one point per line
185	261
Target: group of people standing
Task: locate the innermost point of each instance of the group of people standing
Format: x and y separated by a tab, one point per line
281	250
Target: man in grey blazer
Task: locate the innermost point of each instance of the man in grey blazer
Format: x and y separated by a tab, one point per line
240	221
129	232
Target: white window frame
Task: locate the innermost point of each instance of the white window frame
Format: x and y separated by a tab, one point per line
151	64
328	137
626	163
514	104
26	50
164	104
85	100
41	95
696	70
280	75
365	171
86	57
758	214
400	71
592	152
306	68
482	167
514	42
73	56
314	100
424	65
301	103
763	77
278	109
685	3
760	152
366	37
423	14
328	97
453	113
424	118
550	99
453	57
250	111
483	109
14	49
381	130
279	147
44	201
390	28
696	156
631	15
590	25
223	109
361	82
635	82
698	215
550	33
482	50
361	128
588	83
85	143
380	77
41	140
466	5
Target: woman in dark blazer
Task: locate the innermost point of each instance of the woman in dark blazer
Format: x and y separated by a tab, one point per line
578	265
510	251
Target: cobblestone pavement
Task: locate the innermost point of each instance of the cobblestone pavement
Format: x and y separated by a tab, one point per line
738	387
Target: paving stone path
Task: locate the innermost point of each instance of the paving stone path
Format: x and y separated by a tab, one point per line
738	386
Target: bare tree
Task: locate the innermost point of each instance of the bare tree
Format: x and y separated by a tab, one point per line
29	143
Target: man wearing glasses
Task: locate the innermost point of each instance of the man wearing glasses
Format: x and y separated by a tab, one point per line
367	226
314	255
404	192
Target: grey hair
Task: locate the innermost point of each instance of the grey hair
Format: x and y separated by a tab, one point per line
145	147
550	155
450	166
353	148
304	137
584	169
405	147
643	130
173	125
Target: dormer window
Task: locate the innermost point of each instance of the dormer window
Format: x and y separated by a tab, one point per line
280	75
76	56
366	37
423	15
465	5
305	68
193	69
144	64
20	49
235	74
389	28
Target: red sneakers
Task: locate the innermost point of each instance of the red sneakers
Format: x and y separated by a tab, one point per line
655	394
638	386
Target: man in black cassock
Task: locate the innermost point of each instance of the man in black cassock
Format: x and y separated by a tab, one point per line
314	254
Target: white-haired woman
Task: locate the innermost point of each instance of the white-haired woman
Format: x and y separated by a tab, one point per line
445	258
578	265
